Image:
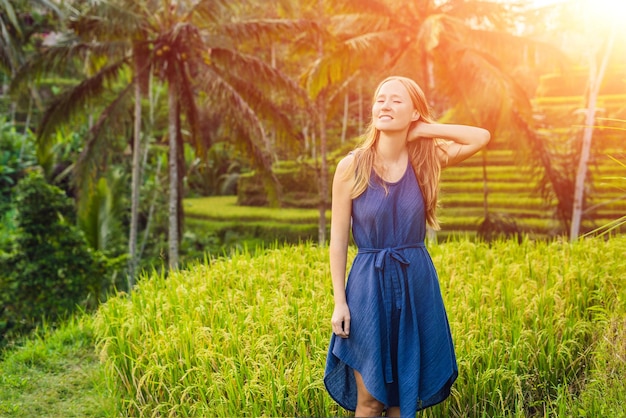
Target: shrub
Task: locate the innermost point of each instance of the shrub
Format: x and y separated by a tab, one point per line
49	269
16	154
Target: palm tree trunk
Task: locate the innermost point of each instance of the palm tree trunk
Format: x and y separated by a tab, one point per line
173	173
595	80
135	182
344	125
360	108
146	232
323	177
485	187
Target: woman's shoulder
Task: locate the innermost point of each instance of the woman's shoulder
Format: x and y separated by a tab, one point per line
347	160
344	164
354	156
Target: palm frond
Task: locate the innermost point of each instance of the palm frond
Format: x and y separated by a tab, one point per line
185	37
343	60
94	151
468	77
429	33
364	7
5	62
481	14
609	227
334	106
284	117
240	117
266	30
340	28
109	20
50	5
55	59
100	209
9	12
345	26
9	45
265	76
509	48
73	101
207	13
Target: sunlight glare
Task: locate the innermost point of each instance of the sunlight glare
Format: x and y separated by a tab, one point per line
604	14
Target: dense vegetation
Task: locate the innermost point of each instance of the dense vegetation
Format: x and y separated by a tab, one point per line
48	269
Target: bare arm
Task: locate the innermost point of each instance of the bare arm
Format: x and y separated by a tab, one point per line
465	140
339	237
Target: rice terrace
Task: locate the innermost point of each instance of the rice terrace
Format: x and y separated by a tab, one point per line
166	173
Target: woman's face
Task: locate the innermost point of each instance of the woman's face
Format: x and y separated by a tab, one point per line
393	109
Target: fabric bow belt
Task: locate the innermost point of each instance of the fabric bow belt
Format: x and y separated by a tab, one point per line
390	263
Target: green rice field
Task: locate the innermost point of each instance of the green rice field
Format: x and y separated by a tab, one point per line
539	328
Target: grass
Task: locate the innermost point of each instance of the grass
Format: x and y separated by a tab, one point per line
55	373
225	208
223	225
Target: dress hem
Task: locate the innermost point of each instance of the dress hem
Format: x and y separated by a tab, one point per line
441	394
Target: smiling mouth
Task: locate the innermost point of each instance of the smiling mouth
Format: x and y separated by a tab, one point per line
385	117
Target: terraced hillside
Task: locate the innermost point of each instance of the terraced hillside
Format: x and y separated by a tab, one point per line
512	196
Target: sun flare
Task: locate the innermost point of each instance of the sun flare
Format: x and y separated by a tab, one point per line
603	14
589	15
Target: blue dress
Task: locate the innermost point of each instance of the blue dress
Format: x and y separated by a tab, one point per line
400	339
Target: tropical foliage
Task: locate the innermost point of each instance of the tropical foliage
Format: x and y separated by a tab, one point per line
188	46
16	155
48	270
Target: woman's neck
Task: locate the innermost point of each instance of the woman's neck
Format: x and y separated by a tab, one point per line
391	157
391	148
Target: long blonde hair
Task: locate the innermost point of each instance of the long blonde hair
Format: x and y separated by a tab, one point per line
423	154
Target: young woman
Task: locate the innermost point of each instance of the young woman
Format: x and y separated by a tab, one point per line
391	348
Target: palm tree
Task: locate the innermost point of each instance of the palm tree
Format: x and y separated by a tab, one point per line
197	51
99	38
588	34
324	37
461	53
600	44
193	48
595	81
